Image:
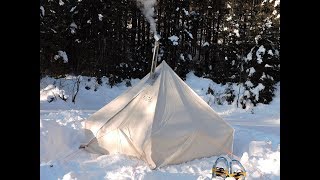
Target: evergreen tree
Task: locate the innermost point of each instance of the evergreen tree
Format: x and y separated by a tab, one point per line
228	41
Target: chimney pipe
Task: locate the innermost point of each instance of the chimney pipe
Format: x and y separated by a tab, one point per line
155	55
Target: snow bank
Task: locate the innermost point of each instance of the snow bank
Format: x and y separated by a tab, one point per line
262	161
91	95
61	135
51	93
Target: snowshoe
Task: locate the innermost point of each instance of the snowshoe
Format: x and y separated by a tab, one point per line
220	171
237	172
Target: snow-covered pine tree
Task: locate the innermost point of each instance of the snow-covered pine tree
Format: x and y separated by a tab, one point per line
262	61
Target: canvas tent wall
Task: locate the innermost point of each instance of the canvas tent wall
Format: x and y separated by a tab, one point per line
160	120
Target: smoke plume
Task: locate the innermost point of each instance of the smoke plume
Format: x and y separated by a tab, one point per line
147	8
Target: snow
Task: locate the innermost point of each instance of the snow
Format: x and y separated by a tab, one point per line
186	12
182	57
73	27
100	17
274	12
220	41
236	31
257	89
260	51
53	30
62	54
249	55
270	162
270	52
42	10
249	83
258	148
276	3
251	71
69	176
61	3
263	2
246	93
205	44
268	23
174	39
89	21
56	57
50	92
256	138
73	8
190	35
266	76
256	39
267	65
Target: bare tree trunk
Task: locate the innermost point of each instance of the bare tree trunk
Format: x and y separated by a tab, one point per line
77	84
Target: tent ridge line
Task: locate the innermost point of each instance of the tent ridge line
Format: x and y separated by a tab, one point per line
144	144
181	87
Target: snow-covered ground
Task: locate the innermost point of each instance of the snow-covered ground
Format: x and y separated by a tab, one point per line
256	141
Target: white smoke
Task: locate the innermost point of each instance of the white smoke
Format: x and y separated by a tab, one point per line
147	8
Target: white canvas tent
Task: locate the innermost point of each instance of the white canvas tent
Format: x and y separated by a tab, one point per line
160	120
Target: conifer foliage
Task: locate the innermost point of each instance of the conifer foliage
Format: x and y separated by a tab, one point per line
228	41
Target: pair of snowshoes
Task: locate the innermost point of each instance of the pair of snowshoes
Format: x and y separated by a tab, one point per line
223	168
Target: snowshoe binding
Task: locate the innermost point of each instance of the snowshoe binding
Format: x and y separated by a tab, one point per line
220	171
237	171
